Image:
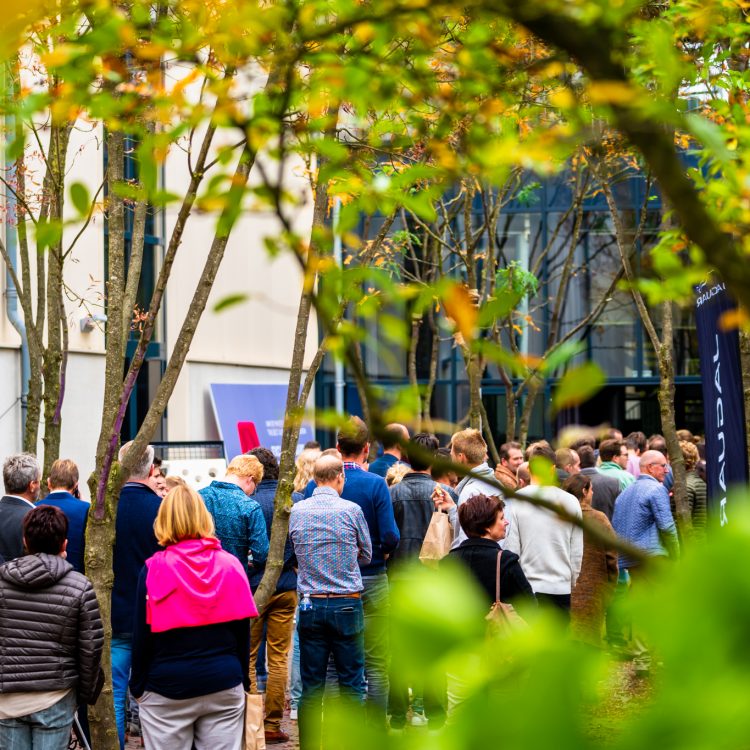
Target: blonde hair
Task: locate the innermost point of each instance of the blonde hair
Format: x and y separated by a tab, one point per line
471	443
173	481
305	463
182	515
64	473
689	454
246	466
396	473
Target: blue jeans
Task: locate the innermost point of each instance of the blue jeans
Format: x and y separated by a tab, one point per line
295	679
122	652
331	627
44	730
376	601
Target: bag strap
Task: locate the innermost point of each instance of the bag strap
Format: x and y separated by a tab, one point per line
497	577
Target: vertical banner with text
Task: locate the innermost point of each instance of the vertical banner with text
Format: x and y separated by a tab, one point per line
723	403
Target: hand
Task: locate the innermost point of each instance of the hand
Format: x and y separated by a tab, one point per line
442	500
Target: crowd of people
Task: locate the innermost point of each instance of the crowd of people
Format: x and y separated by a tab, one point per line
188	641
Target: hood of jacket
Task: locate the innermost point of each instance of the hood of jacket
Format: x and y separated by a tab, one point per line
35	571
195	582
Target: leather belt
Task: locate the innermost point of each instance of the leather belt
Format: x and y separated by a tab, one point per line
353	595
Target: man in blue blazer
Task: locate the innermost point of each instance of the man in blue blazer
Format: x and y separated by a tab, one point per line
63	483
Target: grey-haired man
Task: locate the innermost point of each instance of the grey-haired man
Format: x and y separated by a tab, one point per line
21	476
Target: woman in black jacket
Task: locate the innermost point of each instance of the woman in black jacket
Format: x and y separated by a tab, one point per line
483	520
52	637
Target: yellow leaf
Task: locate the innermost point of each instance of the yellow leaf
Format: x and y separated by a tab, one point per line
732	319
461	309
611	92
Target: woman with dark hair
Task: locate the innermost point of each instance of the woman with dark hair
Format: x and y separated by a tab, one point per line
483	520
52	638
191	639
598	576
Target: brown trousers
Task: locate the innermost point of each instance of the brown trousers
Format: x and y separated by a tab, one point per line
278	618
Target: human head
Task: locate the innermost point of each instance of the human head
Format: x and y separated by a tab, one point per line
182	515
567	460
523	475
396	473
246	472
539	443
422	443
393	437
658	443
614	450
586	456
689	454
444	475
585	440
353	439
144	466
173	481
511	456
468	447
160	484
542	449
579	485
270	464
654	464
63	475
685	435
636	442
329	472
45	530
21	475
304	463
611	433
311	444
157	466
479	514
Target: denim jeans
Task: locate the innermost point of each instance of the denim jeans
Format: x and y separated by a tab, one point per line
295	678
376	602
43	730
122	652
331	627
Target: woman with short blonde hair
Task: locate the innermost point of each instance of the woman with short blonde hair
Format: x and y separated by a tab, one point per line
305	463
191	639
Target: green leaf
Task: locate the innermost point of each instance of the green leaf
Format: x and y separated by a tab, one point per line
48	233
231	300
79	196
577	385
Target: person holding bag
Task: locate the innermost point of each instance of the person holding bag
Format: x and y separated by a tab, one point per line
191	639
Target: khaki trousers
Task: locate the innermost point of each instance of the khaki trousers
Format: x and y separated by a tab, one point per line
278	617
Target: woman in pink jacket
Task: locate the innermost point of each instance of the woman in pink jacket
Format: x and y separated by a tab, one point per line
191	640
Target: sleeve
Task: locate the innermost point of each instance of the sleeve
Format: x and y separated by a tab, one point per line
512	535
90	644
398	507
659	502
364	543
389	533
610	554
515	582
699	509
257	536
309	489
142	641
241	630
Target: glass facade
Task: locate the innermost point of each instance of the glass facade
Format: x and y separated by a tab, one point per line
576	258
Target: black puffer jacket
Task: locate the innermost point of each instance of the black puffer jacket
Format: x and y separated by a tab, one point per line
51	634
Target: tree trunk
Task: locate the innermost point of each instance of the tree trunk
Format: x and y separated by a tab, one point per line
745	360
532	392
668	426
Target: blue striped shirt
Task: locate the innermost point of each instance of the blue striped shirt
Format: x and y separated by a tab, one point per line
330	538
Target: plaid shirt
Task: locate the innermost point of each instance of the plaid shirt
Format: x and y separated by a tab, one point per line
330	536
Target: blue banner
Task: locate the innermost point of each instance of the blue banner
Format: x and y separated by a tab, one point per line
723	403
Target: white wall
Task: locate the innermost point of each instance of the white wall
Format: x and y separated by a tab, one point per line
10	404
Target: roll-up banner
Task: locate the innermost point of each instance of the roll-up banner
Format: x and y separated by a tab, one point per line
723	403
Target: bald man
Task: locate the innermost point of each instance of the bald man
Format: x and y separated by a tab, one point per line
395	436
642	515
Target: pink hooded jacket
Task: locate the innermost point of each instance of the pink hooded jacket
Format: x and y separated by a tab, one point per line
195	582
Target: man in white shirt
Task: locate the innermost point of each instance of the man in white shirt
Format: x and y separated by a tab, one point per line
550	548
468	448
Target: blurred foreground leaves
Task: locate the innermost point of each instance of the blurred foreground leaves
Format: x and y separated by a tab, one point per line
540	690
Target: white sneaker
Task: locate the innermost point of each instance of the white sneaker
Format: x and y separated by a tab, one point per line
418	720
293	714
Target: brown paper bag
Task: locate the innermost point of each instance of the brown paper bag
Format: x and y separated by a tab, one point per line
438	539
255	733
